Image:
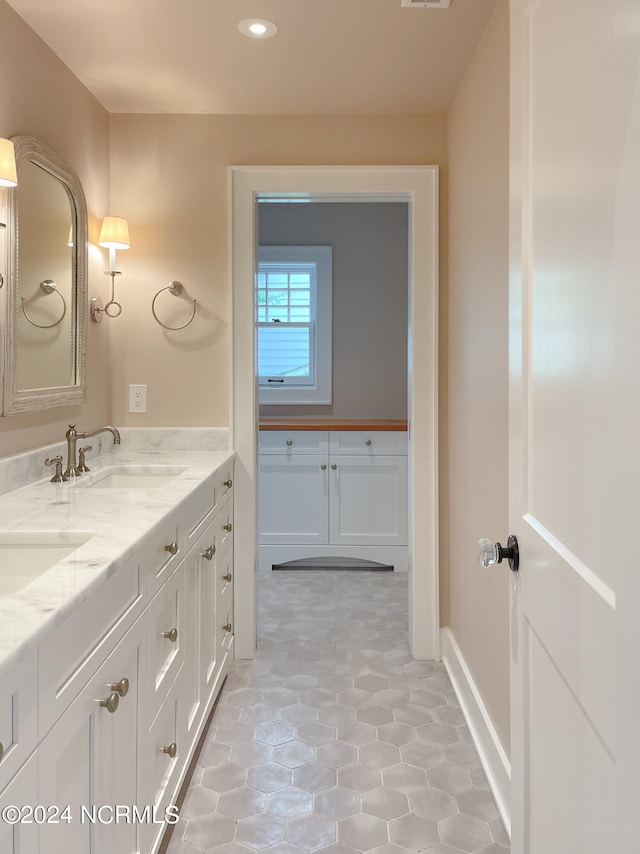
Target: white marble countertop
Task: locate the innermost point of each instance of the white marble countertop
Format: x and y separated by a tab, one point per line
119	520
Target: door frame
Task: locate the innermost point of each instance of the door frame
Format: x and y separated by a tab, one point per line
418	186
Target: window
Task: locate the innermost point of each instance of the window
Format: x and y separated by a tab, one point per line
293	320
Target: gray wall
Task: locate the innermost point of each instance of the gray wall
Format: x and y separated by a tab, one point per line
370	299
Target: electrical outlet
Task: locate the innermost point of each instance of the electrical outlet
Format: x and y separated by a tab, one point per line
137	398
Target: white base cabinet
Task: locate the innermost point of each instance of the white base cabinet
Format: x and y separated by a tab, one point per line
108	711
331	494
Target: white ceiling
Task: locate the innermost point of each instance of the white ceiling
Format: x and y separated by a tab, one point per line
329	57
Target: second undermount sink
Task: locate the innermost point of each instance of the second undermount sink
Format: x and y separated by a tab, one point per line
26	555
133	477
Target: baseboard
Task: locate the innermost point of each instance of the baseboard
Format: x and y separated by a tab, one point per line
494	760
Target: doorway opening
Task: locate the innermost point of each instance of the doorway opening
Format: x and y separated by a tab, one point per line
416	187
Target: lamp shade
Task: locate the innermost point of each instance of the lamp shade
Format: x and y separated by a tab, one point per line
114	233
8	174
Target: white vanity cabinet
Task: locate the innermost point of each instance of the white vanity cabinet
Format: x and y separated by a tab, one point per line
333	494
109	707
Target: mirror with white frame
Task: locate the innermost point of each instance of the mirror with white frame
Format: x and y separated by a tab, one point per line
46	291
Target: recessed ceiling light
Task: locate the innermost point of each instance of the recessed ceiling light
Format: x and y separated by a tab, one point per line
257	28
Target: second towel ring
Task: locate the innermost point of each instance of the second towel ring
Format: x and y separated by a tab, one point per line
49	287
176	288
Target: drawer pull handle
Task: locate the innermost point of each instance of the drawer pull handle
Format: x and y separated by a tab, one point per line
1	751
171	750
323	466
228	526
227	577
289	442
208	553
334	466
172	548
171	636
227	628
121	687
228	483
111	703
368	442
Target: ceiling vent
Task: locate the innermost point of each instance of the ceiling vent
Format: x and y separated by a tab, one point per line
426	4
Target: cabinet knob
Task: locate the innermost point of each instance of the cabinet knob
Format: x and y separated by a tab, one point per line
1	751
323	466
227	577
228	526
368	442
171	636
121	687
227	628
228	483
208	553
171	750
289	442
111	703
334	466
172	548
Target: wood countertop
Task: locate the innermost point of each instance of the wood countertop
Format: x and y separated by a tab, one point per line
275	423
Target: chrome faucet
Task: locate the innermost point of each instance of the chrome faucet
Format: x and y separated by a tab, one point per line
72	435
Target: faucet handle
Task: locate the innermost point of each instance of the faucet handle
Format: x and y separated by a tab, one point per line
82	466
58	477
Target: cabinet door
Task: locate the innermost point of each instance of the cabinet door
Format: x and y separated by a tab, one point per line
21	791
293	500
368	501
89	759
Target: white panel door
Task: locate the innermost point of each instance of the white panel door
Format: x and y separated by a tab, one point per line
368	501
89	759
574	411
293	500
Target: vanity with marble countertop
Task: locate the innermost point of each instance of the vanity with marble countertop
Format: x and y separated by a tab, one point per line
116	520
116	606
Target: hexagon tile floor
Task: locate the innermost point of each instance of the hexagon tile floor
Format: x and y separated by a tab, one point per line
333	740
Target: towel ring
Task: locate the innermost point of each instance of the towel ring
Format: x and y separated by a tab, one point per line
176	288
49	287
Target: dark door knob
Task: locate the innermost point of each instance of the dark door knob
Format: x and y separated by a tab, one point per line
490	553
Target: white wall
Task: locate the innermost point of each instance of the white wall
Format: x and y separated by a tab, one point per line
40	97
370	296
477	365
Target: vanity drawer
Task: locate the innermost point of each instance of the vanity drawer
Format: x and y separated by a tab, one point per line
224	624
18	716
166	651
224	483
293	442
224	573
223	528
163	552
369	443
163	769
72	653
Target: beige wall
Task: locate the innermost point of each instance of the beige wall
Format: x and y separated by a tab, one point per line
477	365
42	98
169	178
370	300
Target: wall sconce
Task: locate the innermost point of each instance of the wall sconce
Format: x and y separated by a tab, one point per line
8	174
114	234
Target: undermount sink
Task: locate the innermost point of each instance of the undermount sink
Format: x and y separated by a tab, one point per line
133	477
25	555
